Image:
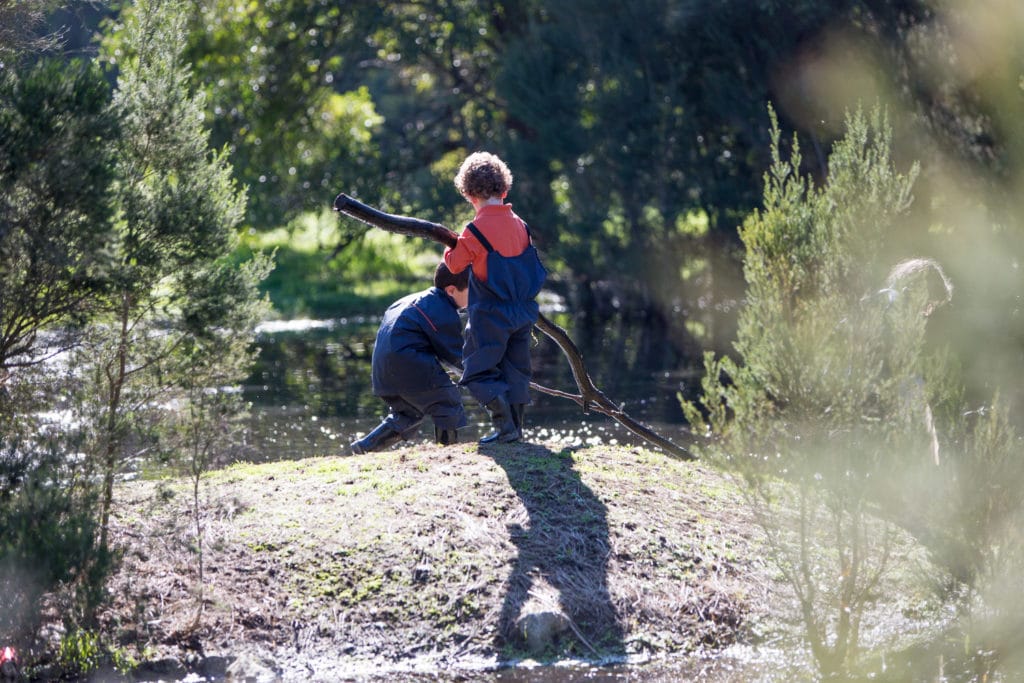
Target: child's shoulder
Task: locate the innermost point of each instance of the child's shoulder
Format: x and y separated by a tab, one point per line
433	297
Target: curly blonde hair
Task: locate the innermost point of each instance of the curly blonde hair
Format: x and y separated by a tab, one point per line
483	175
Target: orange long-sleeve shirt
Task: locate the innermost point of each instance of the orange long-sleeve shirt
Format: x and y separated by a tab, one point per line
503	229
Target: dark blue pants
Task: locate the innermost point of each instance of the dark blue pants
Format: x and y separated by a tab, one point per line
443	405
502	312
496	357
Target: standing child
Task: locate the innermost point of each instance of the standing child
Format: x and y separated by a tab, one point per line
506	276
417	333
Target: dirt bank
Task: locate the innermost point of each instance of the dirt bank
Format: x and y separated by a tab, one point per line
426	557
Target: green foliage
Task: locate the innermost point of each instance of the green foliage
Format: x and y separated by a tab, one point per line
814	263
19	27
56	173
821	338
834	390
622	123
984	521
181	311
83	651
47	533
178	201
212	360
80	652
370	273
619	120
983	509
270	72
829	390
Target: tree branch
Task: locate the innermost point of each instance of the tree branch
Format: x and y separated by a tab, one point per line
590	397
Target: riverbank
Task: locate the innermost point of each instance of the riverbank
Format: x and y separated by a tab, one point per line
438	559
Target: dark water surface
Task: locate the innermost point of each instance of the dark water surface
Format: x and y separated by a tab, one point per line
311	391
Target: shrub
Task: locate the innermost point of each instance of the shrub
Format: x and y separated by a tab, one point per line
831	389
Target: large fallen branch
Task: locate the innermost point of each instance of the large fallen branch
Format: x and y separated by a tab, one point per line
590	397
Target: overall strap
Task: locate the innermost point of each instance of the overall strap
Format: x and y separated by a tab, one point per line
480	236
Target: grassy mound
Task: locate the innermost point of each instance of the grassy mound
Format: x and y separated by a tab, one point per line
433	553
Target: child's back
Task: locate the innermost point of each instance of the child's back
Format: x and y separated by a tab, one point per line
506	275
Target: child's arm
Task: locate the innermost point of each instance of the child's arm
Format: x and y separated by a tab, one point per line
441	327
447	344
459	257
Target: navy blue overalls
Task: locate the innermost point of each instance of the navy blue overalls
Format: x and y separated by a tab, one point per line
502	312
416	331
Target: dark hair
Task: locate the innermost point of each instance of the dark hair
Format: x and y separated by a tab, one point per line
483	175
444	277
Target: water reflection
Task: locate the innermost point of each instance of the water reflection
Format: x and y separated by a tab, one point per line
311	395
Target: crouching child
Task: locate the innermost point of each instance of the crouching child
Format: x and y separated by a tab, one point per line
417	334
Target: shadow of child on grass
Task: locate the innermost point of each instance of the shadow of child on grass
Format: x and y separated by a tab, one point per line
556	601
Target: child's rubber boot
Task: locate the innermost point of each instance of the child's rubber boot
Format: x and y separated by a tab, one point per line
377	440
505	430
445	437
519	416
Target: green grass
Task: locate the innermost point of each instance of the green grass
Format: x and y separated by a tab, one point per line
375	269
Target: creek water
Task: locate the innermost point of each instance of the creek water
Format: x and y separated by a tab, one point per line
310	391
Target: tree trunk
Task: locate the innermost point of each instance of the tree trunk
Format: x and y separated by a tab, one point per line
116	378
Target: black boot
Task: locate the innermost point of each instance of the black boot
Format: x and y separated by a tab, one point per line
505	429
377	440
445	437
519	416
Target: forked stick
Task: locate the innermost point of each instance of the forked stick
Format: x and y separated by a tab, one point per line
590	397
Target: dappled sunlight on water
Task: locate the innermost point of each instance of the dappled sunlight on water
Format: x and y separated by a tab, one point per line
287	433
311	394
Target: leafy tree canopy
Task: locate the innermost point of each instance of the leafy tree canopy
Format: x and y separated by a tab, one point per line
636	131
623	123
56	175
